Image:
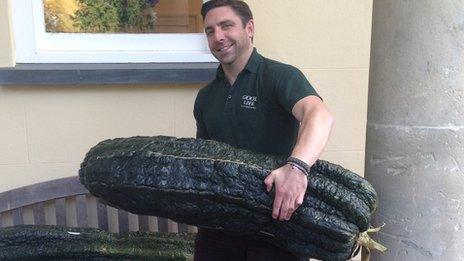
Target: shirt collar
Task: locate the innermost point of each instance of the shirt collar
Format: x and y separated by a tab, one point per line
251	66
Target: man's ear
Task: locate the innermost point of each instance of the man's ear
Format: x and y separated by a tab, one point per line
250	28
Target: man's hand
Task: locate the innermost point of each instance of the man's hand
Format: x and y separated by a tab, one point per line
290	187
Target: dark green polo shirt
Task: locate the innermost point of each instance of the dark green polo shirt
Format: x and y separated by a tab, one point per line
256	112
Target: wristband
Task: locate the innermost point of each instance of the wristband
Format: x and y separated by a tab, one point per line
299	164
298	167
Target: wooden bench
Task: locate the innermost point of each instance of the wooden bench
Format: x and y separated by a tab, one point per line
66	202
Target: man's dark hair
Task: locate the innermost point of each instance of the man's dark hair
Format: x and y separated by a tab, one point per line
240	8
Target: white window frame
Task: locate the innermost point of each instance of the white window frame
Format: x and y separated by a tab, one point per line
34	45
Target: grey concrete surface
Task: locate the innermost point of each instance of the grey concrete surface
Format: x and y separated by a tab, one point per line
415	128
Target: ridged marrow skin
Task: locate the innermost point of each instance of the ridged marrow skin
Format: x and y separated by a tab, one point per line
61	243
211	184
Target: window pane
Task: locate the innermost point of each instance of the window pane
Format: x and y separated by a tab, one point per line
123	16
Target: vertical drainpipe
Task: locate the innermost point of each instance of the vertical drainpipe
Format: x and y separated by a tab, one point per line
415	128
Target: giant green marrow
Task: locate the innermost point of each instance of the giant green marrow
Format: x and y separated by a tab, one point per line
63	243
211	184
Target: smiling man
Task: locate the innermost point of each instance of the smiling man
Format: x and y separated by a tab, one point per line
264	106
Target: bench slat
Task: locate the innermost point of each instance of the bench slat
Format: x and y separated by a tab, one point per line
17	216
163	225
172	226
38	213
81	211
123	220
182	228
143	223
102	215
60	211
192	229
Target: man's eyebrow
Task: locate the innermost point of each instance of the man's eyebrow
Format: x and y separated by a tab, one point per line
220	24
226	21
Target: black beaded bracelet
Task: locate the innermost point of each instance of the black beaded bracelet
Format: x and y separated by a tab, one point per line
301	165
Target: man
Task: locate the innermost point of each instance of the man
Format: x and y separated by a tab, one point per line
260	105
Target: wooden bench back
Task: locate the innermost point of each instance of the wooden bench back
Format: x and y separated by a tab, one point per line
66	202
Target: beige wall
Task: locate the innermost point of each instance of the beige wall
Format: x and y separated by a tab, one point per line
46	131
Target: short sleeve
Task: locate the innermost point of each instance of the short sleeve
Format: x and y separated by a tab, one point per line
291	86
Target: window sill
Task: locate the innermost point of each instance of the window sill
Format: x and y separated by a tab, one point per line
143	73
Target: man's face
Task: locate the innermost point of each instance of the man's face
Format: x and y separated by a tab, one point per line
227	39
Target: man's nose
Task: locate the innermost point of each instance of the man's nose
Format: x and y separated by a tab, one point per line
218	35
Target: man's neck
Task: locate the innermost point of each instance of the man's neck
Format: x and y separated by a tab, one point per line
231	71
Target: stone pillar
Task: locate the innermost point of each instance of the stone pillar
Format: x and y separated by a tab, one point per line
415	128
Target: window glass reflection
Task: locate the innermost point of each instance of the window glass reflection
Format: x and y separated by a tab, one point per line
123	16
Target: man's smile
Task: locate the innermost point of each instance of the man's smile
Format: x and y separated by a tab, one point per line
224	48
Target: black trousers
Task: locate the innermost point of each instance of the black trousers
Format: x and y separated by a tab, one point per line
214	245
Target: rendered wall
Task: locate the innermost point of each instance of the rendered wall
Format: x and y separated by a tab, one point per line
47	130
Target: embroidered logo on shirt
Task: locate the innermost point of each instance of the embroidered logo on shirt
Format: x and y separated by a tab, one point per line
249	102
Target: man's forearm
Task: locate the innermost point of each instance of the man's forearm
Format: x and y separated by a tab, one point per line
290	180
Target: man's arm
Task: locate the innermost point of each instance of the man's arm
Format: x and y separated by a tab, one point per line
202	133
290	183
